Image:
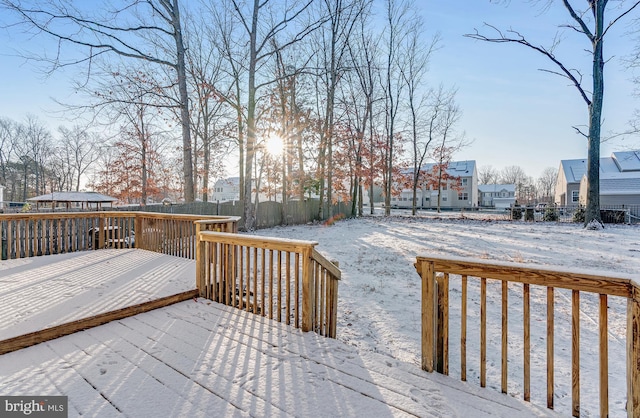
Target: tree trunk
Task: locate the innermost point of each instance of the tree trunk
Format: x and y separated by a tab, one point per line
592	211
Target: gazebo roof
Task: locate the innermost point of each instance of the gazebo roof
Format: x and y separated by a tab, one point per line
92	197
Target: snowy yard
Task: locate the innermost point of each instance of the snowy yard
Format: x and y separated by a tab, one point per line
379	295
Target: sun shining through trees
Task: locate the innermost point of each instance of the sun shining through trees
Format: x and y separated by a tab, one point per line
274	145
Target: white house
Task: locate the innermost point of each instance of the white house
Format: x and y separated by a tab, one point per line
499	196
1	197
226	189
570	175
619	180
466	197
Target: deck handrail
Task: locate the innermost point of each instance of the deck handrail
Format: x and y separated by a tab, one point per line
34	234
435	273
284	279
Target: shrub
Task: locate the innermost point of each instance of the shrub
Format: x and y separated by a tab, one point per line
550	214
578	215
516	213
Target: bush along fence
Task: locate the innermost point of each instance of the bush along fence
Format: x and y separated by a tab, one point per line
619	214
268	214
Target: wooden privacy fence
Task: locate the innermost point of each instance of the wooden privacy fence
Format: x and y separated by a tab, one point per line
35	234
285	280
436	273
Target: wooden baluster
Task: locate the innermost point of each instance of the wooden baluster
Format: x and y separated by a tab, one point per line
505	322
271	284
239	289
483	332
279	286
527	341
463	331
550	342
262	281
575	353
297	290
288	287
604	357
255	281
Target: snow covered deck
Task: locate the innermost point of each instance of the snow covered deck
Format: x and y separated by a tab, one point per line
200	358
37	293
197	357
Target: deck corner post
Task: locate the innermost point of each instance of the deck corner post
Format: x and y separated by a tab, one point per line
200	279
308	288
633	353
428	308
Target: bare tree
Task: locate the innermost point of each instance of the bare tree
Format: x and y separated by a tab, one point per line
79	148
397	18
262	22
547	184
487	175
590	22
135	30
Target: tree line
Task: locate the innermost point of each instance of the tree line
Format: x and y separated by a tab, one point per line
187	88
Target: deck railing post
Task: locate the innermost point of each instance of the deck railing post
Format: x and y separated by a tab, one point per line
137	229
200	270
308	289
442	325
428	314
633	354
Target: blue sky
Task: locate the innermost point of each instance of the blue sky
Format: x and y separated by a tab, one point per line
515	114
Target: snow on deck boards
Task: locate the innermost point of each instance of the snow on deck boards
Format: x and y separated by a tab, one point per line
41	292
199	358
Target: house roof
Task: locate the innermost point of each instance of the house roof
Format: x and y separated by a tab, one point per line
455	168
493	188
574	169
627	160
229	181
93	197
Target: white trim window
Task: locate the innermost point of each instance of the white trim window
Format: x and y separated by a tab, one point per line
575	196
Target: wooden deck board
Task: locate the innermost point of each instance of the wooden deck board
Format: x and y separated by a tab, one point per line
199	358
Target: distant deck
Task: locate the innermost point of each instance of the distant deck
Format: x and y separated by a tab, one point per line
37	293
198	358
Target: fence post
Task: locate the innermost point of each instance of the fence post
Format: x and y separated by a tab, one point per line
428	314
308	288
633	353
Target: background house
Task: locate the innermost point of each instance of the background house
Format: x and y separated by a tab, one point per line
465	196
619	180
570	175
1	197
226	189
499	196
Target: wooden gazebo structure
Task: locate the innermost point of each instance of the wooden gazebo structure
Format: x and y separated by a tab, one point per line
82	200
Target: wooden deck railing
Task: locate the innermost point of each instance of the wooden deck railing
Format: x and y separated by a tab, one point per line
436	273
285	280
35	234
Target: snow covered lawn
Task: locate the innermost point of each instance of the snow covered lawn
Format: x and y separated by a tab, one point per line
379	295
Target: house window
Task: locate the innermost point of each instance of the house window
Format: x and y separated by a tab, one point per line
444	186
463	196
464	182
575	196
444	198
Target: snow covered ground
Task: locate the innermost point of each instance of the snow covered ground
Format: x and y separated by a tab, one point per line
379	295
